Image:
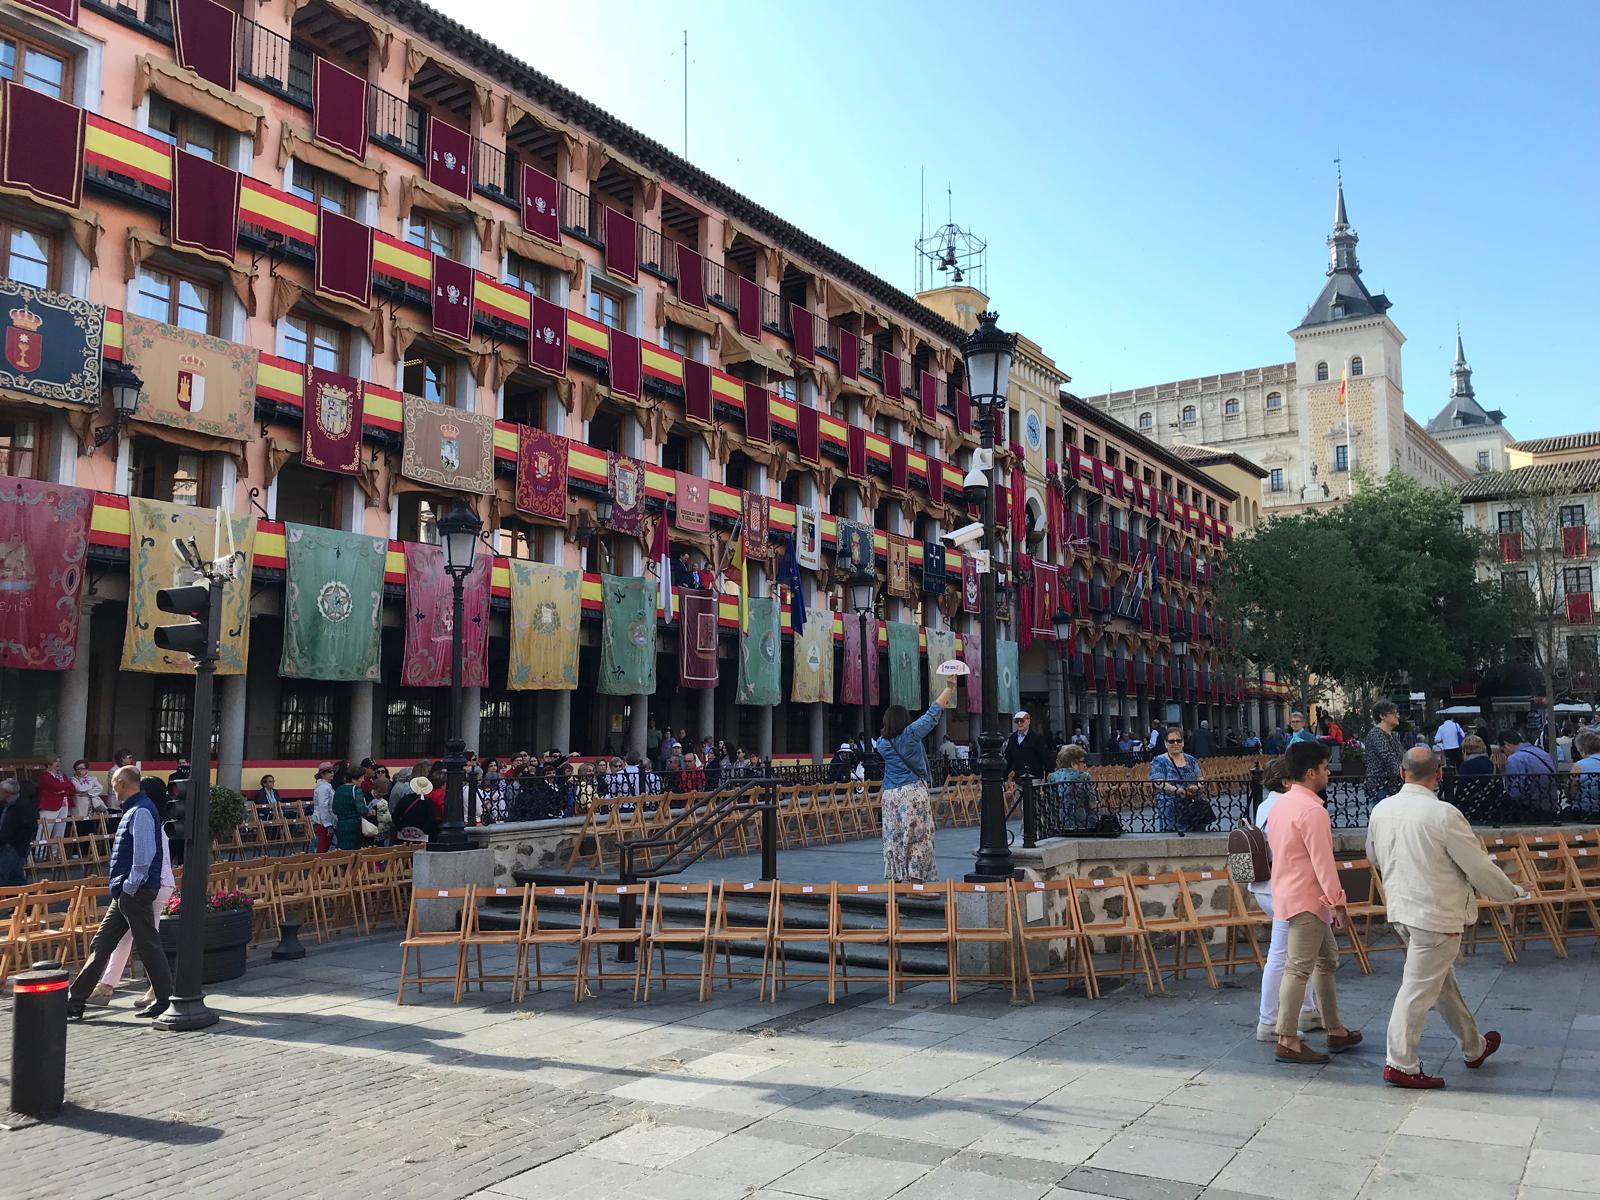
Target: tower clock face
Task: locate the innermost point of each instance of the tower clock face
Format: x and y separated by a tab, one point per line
1034	430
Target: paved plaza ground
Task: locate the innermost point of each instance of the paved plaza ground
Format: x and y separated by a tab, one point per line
315	1084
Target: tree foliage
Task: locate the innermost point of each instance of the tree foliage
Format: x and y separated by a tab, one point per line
1381	590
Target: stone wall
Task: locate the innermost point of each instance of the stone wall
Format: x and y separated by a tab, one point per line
527	845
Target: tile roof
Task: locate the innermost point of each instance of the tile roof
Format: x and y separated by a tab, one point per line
1210	456
1564	441
1578	478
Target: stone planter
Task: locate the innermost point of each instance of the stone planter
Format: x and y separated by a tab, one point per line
227	937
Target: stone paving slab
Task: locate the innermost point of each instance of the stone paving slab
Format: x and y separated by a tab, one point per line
315	1084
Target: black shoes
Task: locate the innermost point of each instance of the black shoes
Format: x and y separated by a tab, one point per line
75	1010
152	1010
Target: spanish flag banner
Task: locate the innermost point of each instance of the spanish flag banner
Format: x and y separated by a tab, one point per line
1344	383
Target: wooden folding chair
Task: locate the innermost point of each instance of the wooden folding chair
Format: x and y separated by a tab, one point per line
1235	919
257	878
664	932
1127	930
1169	894
538	936
865	932
1076	960
596	937
595	818
920	901
294	893
795	898
725	931
474	937
1553	868
334	879
1363	905
375	874
1002	936
1509	919
417	939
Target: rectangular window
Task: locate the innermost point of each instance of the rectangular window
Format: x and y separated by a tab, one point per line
784	389
497	727
418	519
178	300
1483	460
306	723
1571	515
1275	483
186	130
608	308
676	338
35	66
433	233
322	188
161	471
30	254
430	375
1514	583
408	725
1510	521
307	496
1577	579
1341	458
173	704
316	343
21	445
528	275
519	539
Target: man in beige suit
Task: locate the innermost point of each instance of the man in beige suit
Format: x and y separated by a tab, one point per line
1430	863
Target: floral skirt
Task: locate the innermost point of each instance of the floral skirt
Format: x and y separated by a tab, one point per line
908	835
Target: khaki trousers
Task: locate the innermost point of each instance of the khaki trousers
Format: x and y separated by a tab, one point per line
1312	957
1429	981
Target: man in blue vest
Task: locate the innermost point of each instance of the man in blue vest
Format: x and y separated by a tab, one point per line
137	854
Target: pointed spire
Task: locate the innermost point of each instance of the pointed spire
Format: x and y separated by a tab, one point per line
1460	373
1461	357
1342	242
1340	220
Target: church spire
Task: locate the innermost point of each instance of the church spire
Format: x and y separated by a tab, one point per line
1460	374
1342	241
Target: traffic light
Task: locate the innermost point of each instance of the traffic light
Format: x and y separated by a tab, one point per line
186	637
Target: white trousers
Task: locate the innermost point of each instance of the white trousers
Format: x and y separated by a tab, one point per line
1429	982
1272	973
118	962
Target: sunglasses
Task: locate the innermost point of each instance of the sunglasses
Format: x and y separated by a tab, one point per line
1174	741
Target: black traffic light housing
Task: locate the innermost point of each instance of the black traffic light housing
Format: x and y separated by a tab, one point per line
190	637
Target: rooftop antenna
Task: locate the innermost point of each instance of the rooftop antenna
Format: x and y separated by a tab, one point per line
950	250
685	93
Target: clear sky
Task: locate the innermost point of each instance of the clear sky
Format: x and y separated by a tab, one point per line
1155	181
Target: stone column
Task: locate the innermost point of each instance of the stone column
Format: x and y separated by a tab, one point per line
72	703
230	738
560	722
819	732
471	715
359	744
705	711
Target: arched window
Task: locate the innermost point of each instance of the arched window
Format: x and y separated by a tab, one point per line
1230	408
1355	365
1146	420
1190	415
1322	372
1274	401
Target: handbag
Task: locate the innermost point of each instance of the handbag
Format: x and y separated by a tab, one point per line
1248	858
368	829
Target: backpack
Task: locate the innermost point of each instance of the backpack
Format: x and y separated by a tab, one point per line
1249	861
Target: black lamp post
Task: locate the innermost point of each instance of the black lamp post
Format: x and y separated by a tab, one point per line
1063	624
124	385
864	598
1180	651
988	353
458	530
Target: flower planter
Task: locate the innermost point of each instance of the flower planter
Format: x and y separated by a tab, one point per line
227	936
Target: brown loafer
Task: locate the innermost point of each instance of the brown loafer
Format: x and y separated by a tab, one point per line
1305	1056
1341	1042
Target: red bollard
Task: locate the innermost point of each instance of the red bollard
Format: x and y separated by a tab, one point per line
39	1042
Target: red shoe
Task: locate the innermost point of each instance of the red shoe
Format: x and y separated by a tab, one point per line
1395	1077
1491	1043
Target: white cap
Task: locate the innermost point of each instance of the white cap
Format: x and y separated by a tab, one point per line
846	746
1019	716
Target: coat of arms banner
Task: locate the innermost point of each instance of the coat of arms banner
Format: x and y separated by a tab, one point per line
541	473
333	604
331	439
192	380
627	493
53	346
448	447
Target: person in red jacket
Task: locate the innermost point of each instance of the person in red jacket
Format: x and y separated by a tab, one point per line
55	799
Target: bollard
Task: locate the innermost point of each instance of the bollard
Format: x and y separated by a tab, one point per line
39	1042
288	948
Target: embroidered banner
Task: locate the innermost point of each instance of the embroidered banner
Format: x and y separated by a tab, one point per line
627	480
941	648
344	259
53	345
41	147
44	544
697	640
758	655
541	473
757	510
749	308
813	660
691	278
851	692
546	602
1045	598
191	380
448	447
339	108
540	214
205	37
697	391
849	355
804	332
808	433
547	336
972	655
856	447
452	299
334	405
853	548
808	537
899	566
154	564
757	414
627	636
622	245
691	503
905	665
430	620
933	569
333	604
971	585
205	206
625	364
449	157
1008	679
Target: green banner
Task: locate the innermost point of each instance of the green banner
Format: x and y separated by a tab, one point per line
333	606
941	648
758	655
1009	681
627	636
905	664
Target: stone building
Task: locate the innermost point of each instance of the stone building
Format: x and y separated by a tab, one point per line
1477	437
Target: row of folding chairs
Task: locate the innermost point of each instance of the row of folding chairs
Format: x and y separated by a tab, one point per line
85	846
1078	930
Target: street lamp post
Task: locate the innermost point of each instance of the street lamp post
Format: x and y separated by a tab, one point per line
988	354
1180	651
458	530
1063	624
864	598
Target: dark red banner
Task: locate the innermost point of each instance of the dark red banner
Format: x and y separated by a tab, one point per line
547	336
757	414
449	157
452	299
41	147
691	278
331	432
339	108
800	324
697	391
627	367
205	207
344	258
622	245
541	473
205	37
540	214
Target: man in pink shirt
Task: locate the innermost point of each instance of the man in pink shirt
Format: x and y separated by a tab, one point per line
1306	893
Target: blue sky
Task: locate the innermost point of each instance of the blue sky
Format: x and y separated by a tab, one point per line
1156	181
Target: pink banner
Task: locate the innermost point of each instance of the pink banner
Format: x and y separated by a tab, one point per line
429	620
972	655
44	548
851	692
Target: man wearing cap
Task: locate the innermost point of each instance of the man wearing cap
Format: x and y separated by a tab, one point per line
1026	753
322	820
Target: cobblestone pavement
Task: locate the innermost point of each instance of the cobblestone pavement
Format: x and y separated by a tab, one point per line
315	1084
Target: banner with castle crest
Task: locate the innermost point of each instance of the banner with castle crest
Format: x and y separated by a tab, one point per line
53	346
44	549
448	447
191	380
333	604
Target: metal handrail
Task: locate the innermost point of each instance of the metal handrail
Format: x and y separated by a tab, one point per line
710	814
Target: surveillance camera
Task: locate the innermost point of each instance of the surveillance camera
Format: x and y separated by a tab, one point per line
966	535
